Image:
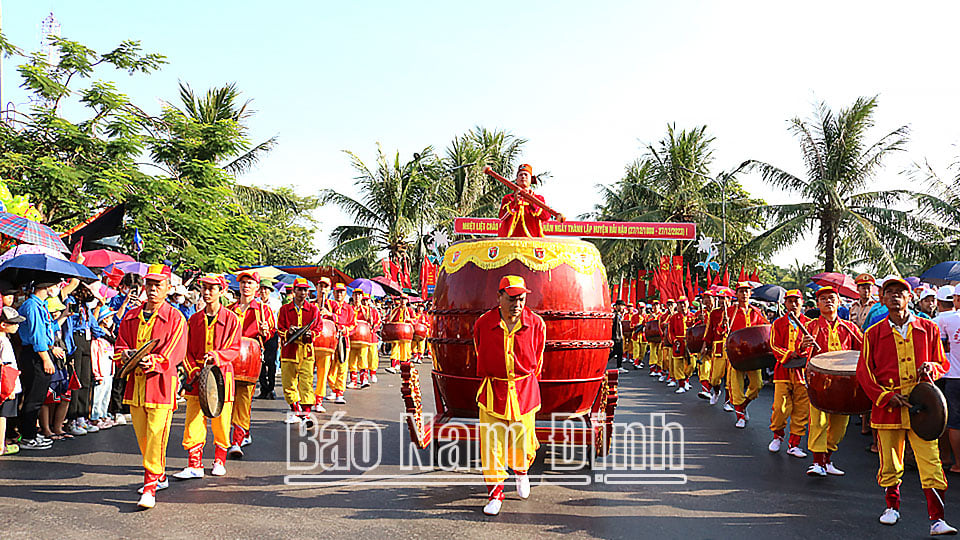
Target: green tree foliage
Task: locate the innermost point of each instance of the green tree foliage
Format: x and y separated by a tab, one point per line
287	233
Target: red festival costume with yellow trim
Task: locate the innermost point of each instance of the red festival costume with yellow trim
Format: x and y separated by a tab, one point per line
742	318
519	218
790	400
677	338
342	314
297	358
251	317
364	359
401	350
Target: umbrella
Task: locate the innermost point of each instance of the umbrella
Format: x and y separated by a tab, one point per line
367	286
25	249
129	267
287	279
29	231
841	282
389	286
943	273
36	266
914	281
100	258
769	293
266	272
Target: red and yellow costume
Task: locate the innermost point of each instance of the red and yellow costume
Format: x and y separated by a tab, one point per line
790	398
297	358
743	317
890	363
665	354
219	335
400	352
255	313
420	347
509	362
151	393
677	337
639	343
519	218
827	430
364	360
343	315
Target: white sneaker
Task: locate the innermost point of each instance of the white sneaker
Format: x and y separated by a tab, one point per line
393	370
319	408
493	507
774	445
833	470
291	418
652	374
235	451
218	469
795	451
149	501
340	400
622	369
728	407
686	385
353	386
247	441
161	484
703	394
891	517
330	396
940	527
816	470
74	429
680	390
90	428
671	384
189	473
373	379
661	378
523	486
119	420
741	423
714	398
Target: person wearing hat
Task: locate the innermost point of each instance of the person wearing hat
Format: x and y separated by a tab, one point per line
616	352
362	356
666	354
400	351
898	352
372	316
714	338
708	303
342	314
831	333
323	358
36	363
949	324
677	326
9	324
420	347
509	341
297	358
213	339
860	308
927	303
151	388
790	400
268	375
639	341
257	323
519	218
654	362
743	315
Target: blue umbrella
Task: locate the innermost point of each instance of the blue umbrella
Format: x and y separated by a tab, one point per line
232	282
367	286
287	279
37	266
769	293
942	274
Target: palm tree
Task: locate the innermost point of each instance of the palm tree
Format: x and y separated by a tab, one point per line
941	204
840	167
466	190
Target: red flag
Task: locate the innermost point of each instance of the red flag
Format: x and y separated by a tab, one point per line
386	267
726	277
632	295
613	293
76	251
743	274
755	276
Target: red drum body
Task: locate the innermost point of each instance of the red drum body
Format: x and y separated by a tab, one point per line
397	331
749	348
361	336
325	340
246	368
569	290
625	327
695	338
420	332
651	331
832	383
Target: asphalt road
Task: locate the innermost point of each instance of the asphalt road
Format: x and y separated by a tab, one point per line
731	486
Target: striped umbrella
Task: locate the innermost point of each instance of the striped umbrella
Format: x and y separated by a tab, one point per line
30	232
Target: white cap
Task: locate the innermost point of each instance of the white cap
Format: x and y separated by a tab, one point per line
945	293
927	292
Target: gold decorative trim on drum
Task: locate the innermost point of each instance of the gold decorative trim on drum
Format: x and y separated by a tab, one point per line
537	255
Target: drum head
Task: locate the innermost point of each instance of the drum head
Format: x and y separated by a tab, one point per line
928	411
211	391
836	362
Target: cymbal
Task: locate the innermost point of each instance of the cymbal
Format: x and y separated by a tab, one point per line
131	363
928	411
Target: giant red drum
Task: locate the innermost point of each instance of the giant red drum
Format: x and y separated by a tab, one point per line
246	368
832	383
651	331
361	336
325	340
695	338
393	331
420	332
749	348
569	290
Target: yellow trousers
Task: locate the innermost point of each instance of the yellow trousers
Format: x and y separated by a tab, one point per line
927	454
666	356
362	358
639	350
627	348
152	427
323	368
373	357
826	430
735	380
400	352
681	370
242	405
420	347
297	378
195	425
718	366
790	401
655	354
506	444
336	374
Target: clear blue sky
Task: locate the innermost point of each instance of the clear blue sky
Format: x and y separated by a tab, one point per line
588	83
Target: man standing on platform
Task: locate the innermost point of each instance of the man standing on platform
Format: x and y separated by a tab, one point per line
510	341
743	315
831	333
343	315
518	217
213	338
898	352
151	389
790	399
296	358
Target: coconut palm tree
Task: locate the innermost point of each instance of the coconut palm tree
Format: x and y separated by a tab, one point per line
835	195
466	190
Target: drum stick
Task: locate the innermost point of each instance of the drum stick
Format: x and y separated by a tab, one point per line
793	319
523	193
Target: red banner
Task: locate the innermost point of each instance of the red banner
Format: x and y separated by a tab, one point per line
428	278
589	229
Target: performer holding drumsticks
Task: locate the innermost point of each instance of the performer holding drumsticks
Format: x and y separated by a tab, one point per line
522	212
297	355
790	400
898	352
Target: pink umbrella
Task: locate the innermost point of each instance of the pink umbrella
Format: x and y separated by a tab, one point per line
100	258
843	283
24	249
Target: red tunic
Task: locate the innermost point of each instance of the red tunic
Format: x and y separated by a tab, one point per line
290	316
509	381
742	318
257	311
716	332
401	315
785	339
677	332
840	336
890	363
225	346
155	387
372	316
519	218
